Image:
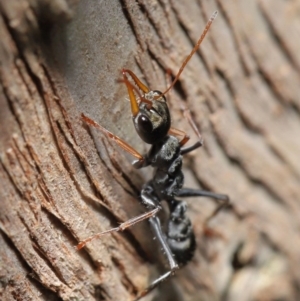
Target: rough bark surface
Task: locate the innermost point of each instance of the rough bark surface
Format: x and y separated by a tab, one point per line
62	182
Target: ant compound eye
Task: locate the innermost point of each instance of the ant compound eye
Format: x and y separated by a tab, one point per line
145	124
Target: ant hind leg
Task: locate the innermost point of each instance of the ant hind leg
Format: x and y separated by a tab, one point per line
156	228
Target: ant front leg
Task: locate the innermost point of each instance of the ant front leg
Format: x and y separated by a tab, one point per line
141	160
147	201
187	114
185	137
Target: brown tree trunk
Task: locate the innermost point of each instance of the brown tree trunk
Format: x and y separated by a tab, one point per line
62	182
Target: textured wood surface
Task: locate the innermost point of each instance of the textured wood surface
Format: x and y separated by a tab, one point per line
61	181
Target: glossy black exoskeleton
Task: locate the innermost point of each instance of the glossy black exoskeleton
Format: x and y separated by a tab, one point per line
152	122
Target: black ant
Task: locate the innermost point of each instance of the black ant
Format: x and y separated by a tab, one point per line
152	122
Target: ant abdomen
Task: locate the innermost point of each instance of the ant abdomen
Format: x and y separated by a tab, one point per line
180	235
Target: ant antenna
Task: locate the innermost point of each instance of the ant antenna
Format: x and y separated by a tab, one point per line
213	16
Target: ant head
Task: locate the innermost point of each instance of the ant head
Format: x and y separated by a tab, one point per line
150	112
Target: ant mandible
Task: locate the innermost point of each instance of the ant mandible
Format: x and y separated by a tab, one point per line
152	122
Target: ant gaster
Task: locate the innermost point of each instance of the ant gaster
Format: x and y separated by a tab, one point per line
152	122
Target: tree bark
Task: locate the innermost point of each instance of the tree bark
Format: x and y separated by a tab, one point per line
62	182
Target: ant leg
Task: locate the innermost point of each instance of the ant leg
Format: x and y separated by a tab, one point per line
191	148
187	114
222	198
148	199
122	226
176	132
185	139
189	192
141	160
156	227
